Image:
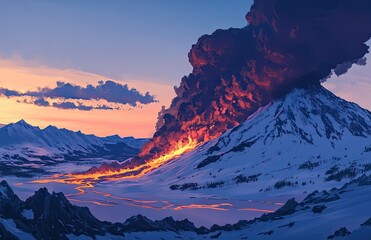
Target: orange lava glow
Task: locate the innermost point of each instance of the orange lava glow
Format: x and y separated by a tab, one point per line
85	182
256	210
87	179
83	185
93	202
219	207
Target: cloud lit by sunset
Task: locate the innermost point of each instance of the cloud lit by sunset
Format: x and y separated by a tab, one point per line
125	120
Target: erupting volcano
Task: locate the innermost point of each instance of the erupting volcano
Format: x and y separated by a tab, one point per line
287	44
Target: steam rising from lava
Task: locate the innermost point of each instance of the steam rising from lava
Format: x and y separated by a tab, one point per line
287	44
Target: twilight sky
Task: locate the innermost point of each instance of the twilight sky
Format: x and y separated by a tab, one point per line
142	43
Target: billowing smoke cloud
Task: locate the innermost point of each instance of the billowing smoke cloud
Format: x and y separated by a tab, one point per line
286	44
109	91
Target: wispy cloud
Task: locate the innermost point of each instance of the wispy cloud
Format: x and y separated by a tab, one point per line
108	91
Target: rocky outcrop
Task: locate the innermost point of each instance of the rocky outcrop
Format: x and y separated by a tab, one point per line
51	216
55	216
10	204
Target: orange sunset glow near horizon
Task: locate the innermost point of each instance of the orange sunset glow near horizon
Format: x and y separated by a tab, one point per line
138	121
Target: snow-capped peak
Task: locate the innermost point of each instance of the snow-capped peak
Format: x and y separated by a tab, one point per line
23	146
307	140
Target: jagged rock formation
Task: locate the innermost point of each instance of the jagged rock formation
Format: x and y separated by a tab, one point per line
51	216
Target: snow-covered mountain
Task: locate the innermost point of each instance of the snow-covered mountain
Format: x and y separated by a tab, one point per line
308	140
22	144
52	137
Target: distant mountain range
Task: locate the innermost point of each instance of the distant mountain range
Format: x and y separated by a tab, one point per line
25	146
51	216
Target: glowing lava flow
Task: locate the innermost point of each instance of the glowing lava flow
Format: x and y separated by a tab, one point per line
86	180
140	170
256	210
219	207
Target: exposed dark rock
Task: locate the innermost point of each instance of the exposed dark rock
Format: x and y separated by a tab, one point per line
339	175
246	179
196	186
140	223
10	204
309	165
321	197
367	223
5	234
208	160
270	232
364	180
339	233
288	208
287	225
185	186
242	146
216	235
55	216
318	208
231	227
283	183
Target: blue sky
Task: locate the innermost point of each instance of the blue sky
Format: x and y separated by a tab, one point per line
144	43
142	39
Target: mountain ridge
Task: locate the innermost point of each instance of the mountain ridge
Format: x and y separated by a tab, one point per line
309	139
51	129
30	149
51	216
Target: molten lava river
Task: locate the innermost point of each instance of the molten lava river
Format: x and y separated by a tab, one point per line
117	195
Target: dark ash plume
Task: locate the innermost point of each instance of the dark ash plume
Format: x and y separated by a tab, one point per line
287	44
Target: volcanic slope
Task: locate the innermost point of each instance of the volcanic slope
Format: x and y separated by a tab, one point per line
309	140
